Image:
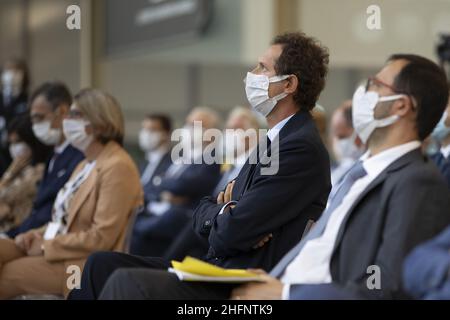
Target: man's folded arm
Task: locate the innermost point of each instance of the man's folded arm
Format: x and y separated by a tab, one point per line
271	201
205	214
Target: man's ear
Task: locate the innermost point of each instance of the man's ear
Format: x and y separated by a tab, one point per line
402	106
291	84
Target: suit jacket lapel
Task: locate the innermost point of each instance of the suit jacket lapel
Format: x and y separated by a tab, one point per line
87	186
81	195
396	165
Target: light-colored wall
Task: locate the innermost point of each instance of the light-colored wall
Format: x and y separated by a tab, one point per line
12	29
406	26
209	71
54	51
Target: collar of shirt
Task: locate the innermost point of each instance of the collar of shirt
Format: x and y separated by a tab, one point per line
60	149
446	151
156	155
272	133
376	164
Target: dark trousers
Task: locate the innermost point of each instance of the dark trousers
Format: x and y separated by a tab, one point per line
152	235
187	243
112	275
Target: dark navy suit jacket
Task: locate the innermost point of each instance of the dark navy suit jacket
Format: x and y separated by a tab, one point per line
152	189
49	187
279	204
426	271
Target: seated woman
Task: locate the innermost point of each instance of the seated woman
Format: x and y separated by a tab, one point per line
90	213
18	185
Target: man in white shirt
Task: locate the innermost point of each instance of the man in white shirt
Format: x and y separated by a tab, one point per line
390	200
255	221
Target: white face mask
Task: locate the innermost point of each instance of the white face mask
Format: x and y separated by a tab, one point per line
346	148
17	150
257	90
46	134
441	131
149	140
12	82
363	107
75	132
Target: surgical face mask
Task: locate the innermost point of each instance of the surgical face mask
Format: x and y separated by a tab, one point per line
441	131
75	132
346	148
363	108
12	82
17	150
46	134
149	140
257	90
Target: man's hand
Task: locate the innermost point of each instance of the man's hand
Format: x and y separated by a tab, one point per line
173	199
24	240
225	197
263	241
36	246
271	289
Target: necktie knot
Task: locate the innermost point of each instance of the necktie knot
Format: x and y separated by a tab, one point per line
356	172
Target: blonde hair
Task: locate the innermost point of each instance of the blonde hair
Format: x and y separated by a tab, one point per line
248	114
103	112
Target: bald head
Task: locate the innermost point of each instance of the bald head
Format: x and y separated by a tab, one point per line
208	117
242	118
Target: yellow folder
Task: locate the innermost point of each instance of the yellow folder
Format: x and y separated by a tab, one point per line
195	267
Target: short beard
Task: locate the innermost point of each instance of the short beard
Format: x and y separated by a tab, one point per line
378	137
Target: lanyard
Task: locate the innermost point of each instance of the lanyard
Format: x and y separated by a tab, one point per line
69	189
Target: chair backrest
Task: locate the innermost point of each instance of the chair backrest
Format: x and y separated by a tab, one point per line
130	227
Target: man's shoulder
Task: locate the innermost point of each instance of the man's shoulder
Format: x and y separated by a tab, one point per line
419	169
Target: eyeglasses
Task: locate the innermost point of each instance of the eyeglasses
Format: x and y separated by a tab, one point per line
75	114
373	82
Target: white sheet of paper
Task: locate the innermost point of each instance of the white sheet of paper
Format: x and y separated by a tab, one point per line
52	230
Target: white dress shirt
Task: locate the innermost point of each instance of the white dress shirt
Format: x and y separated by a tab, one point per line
153	159
446	151
312	265
272	133
57	151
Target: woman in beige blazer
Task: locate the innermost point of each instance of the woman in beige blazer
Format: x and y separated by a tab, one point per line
91	212
19	184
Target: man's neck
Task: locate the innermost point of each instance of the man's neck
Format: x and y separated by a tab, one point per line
160	150
280	112
379	143
61	142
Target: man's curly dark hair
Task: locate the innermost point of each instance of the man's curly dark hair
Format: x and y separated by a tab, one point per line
306	58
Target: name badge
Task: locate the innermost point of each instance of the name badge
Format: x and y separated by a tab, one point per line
52	230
